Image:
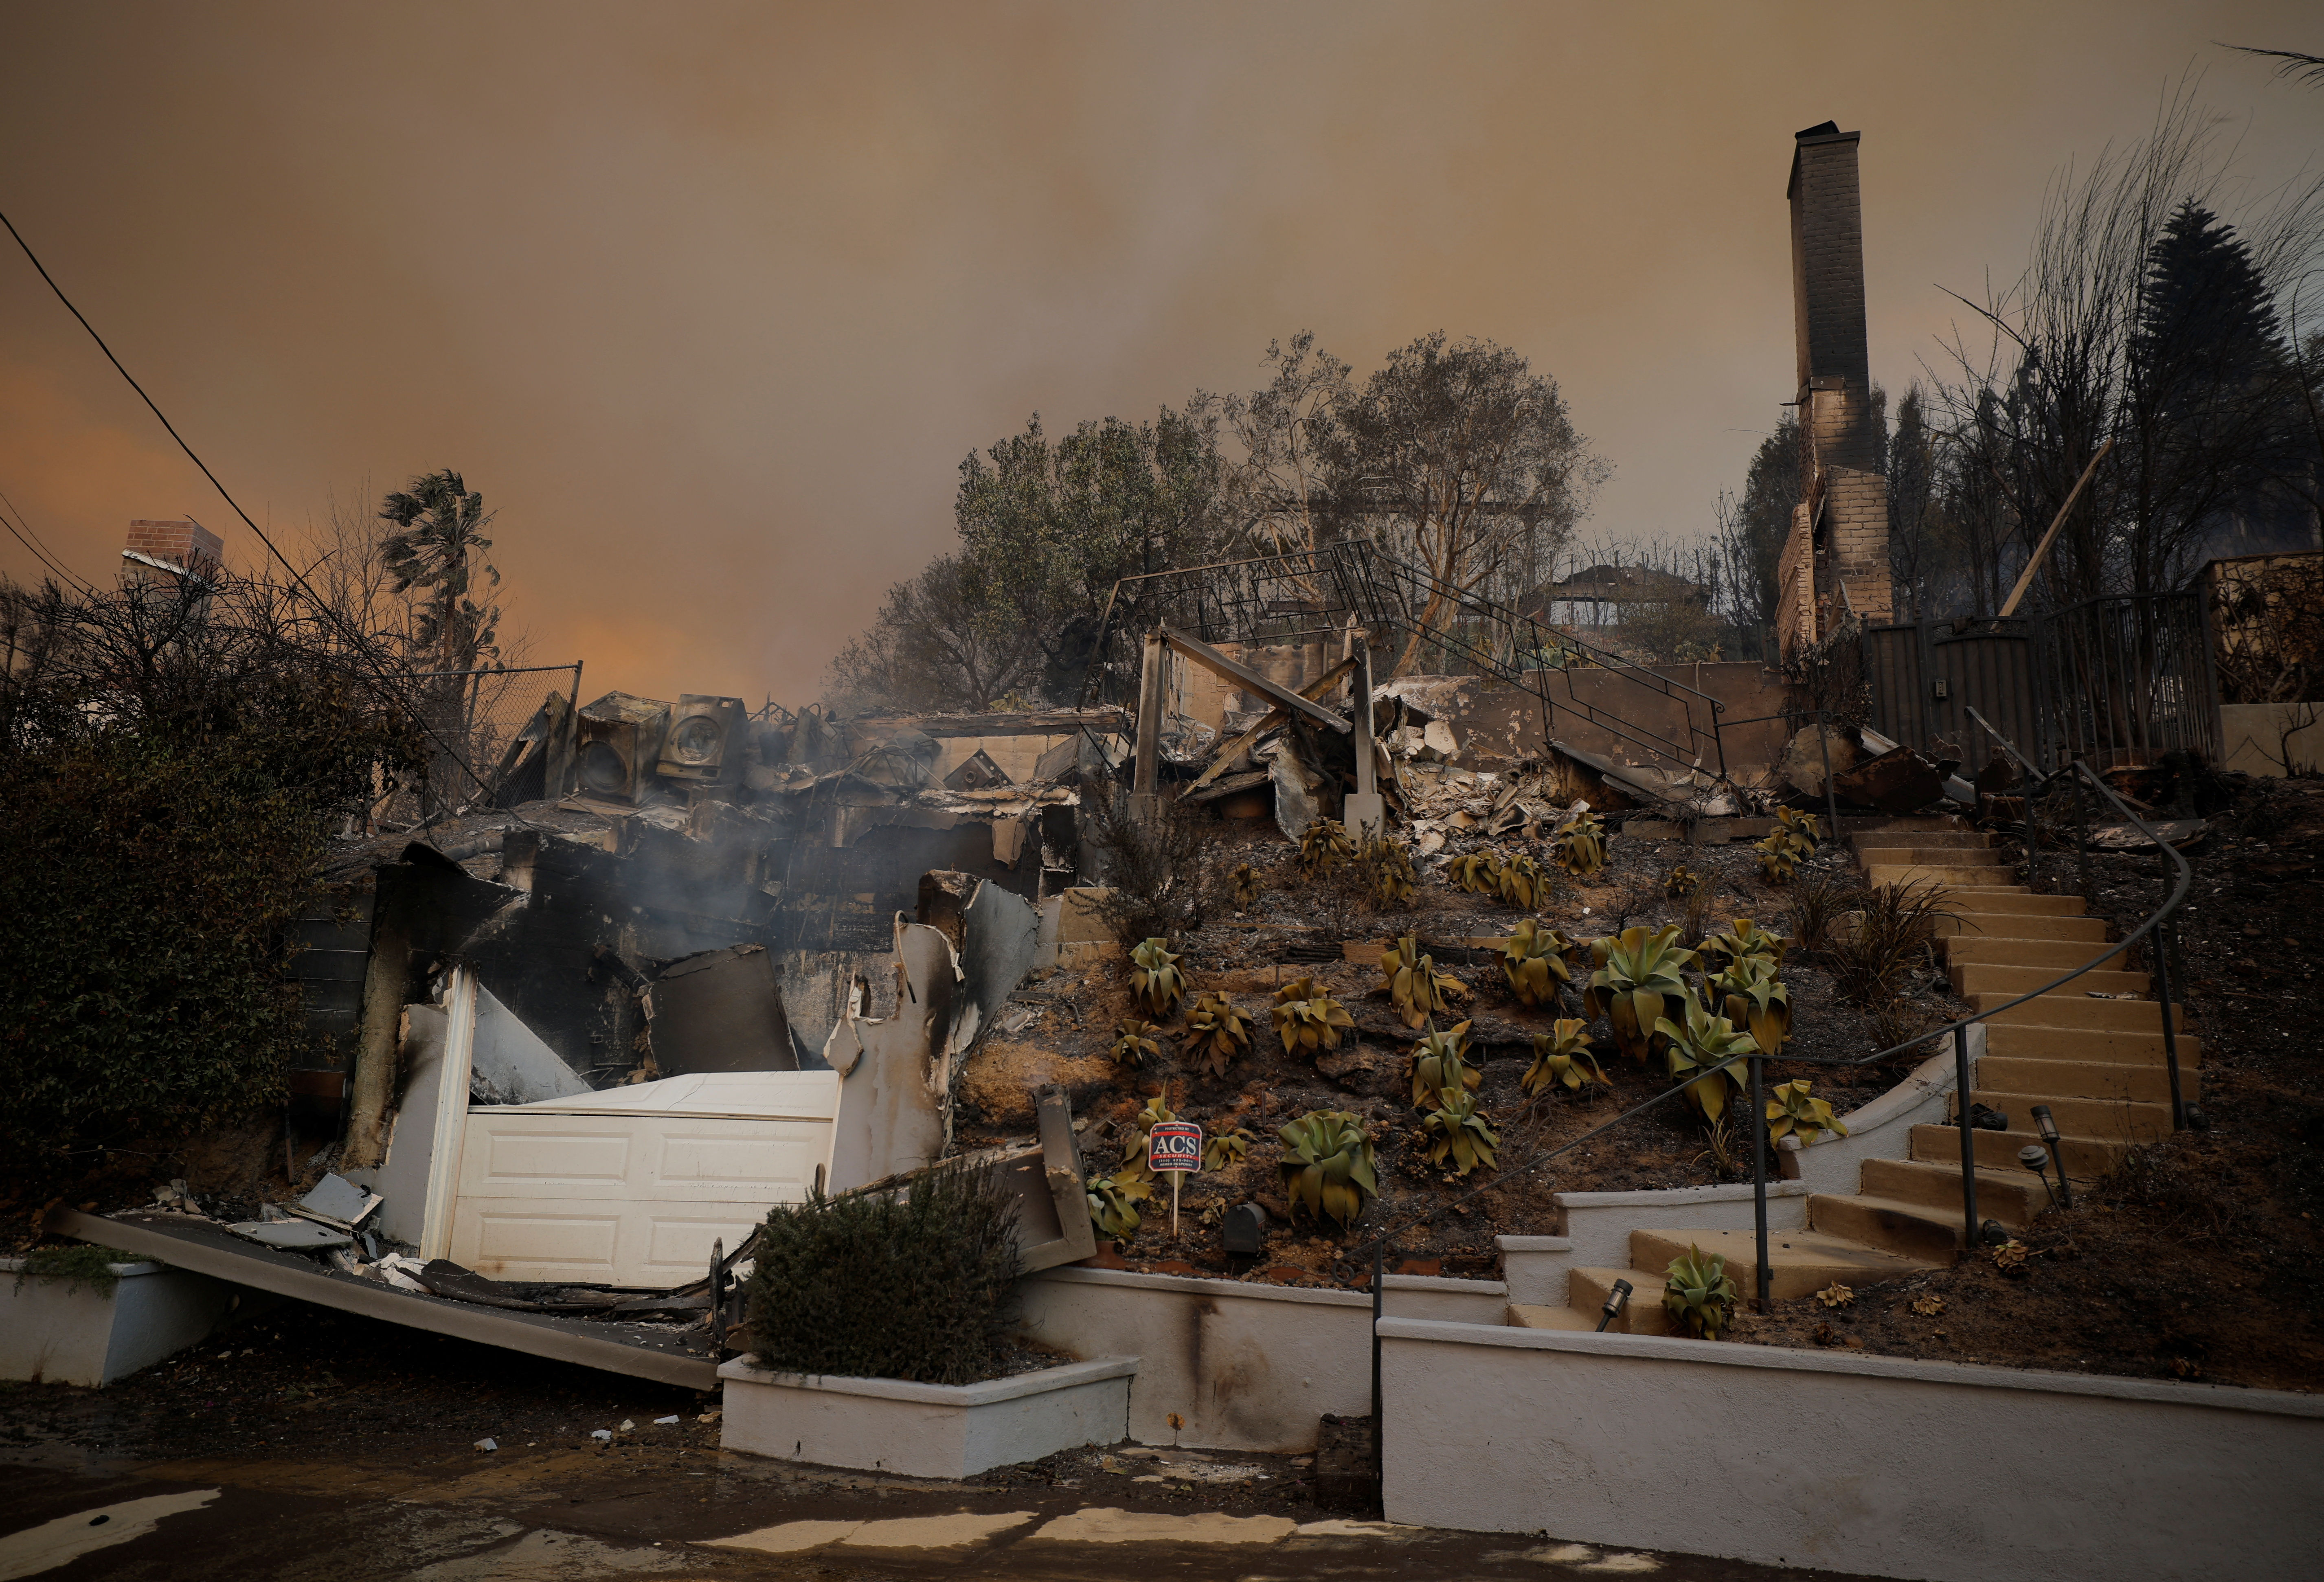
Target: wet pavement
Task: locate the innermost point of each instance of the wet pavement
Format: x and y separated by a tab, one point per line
556	1514
305	1446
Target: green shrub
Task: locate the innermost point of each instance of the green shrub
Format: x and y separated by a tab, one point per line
919	1284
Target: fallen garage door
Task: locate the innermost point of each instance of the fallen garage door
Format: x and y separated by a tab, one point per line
632	1186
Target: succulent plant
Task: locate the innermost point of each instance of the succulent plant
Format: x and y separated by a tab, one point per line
1134	1042
1579	846
1245	878
1562	1059
1520	880
1837	1295
1750	995
1222	1150
1324	846
1459	1131
1800	829
1414	983
1327	1164
1695	1044
1111	1204
1393	882
1746	938
1792	1111
1534	959
1133	1139
1439	1061
1777	860
1155	981
1308	1021
1699	1295
1478	872
2010	1256
1218	1032
1681	881
1636	980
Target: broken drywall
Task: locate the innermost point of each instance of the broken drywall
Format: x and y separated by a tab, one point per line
721	1011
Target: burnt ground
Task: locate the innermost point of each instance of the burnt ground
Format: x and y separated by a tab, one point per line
2197	1259
1299	930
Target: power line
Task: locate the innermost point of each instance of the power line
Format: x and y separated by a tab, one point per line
39	551
42	545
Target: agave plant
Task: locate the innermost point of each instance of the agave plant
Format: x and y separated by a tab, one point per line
1133	1141
1479	873
1562	1058
1777	860
1520	881
1245	878
1324	846
1799	829
1749	994
1155	981
1327	1164
1636	981
1746	938
1439	1062
1458	1130
1308	1021
1681	882
1534	959
1699	1295
1135	1042
1218	1032
1389	864
1111	1204
1580	847
1699	1042
1414	983
1792	1111
1222	1150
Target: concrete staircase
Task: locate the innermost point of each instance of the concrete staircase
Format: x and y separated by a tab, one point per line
2097	1062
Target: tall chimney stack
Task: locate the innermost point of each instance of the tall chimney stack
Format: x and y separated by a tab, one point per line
1837	558
171	549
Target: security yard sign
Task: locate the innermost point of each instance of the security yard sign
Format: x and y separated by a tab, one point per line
1174	1148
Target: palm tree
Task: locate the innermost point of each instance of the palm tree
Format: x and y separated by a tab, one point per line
440	547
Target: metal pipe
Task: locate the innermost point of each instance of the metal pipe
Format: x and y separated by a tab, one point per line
1760	1178
1968	1136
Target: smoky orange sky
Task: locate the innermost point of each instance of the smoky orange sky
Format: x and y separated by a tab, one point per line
709	300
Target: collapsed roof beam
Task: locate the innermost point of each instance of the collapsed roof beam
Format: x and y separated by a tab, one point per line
1251	680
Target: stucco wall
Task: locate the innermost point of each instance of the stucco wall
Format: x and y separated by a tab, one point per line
1860	1464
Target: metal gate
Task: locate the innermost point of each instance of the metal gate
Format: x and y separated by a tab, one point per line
1927	676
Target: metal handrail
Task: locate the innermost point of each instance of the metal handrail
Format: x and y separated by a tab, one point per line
1957	1030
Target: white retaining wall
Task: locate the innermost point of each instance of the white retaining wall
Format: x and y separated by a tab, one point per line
53	1330
1243	1366
1941	1471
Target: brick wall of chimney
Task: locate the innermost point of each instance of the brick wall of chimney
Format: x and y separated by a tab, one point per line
180	543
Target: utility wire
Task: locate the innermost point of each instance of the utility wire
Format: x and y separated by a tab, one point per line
38	555
361	641
37	545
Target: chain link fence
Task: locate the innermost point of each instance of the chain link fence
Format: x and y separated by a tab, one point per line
476	726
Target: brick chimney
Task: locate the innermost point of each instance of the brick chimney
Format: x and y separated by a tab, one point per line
158	549
1840	532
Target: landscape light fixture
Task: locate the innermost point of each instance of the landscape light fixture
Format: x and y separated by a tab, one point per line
1616	1300
2035	1157
2048	1127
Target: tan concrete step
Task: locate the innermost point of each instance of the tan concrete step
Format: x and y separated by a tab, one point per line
1528	1316
2089	1079
2113	1118
2106	1045
1801	1262
2015	898
2087	1158
1970	977
2012	1196
1910	1230
1961	857
2061	953
1980	924
1963	876
1956	839
2073	1007
1586	1291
